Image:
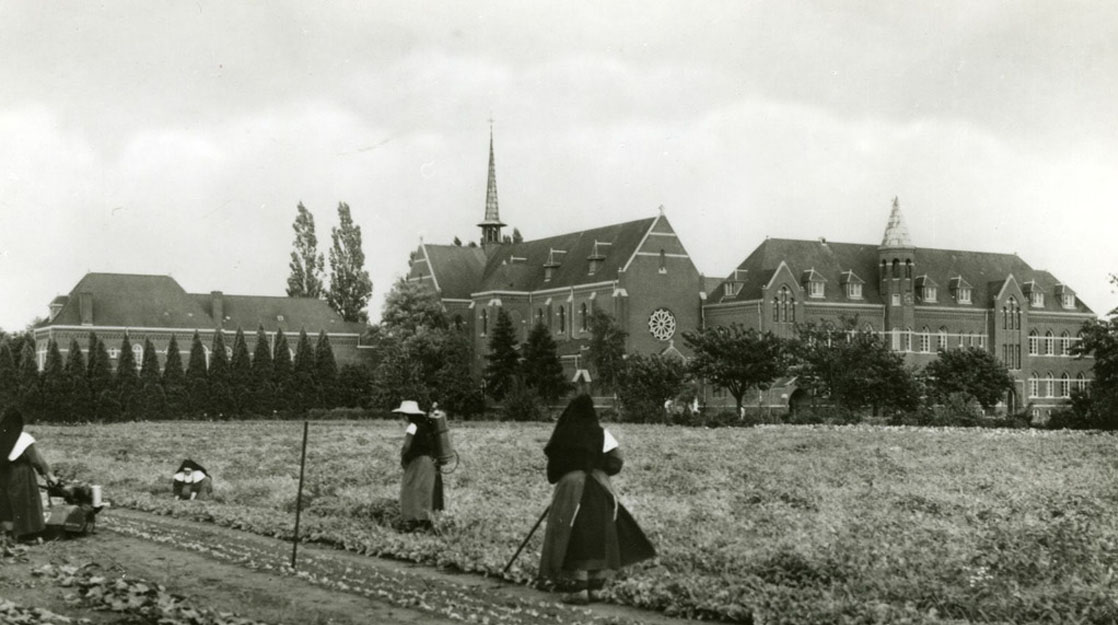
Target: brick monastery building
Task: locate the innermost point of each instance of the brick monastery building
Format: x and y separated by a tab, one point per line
920	299
156	307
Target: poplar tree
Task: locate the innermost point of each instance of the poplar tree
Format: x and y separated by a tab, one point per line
152	402
219	377
100	377
302	375
9	386
281	370
197	378
78	400
504	361
325	371
174	380
263	389
240	375
30	391
54	387
306	264
127	381
350	286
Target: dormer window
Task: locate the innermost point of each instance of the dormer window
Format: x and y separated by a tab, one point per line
1036	298
852	284
597	256
929	294
963	296
728	289
961	289
927	288
813	281
1068	300
554	260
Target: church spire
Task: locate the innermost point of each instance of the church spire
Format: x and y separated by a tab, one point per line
896	233
491	226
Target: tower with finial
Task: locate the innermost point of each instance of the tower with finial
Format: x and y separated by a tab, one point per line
897	265
491	225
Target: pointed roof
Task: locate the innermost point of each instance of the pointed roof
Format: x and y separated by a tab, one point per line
492	216
896	233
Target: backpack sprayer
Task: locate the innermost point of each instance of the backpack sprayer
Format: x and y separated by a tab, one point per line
444	449
78	513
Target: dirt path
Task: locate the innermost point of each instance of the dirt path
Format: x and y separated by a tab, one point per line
233	571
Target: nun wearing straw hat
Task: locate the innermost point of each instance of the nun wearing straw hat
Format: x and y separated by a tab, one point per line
21	506
421	491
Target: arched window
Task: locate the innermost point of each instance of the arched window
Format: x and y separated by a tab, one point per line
562	318
1080	381
1065	385
1005	317
896	268
138	354
907	338
1049	340
1034	340
942	343
539	316
776	309
663	262
206	352
1050	384
908	269
484	321
583	317
1065	344
1034	385
925	340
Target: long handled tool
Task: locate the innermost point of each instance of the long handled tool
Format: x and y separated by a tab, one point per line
526	539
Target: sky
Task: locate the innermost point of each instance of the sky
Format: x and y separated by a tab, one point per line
177	138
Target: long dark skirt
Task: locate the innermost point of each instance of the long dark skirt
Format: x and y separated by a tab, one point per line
20	501
589	530
421	490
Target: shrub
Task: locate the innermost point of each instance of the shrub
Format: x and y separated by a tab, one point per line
522	404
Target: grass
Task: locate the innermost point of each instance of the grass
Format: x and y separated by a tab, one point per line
775	524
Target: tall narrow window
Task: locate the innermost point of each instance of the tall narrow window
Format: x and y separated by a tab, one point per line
1049	385
925	340
942	343
562	318
1065	344
583	317
484	321
1034	385
663	262
1034	343
1065	385
1049	340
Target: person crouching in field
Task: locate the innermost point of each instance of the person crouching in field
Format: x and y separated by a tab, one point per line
21	506
421	491
589	533
191	481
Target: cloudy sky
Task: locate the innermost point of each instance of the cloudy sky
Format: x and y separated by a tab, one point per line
177	138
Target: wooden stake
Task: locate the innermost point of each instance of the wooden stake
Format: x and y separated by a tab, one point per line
299	496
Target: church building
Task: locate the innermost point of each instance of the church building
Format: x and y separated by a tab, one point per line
638	271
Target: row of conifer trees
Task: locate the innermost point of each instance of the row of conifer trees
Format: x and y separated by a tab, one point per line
84	386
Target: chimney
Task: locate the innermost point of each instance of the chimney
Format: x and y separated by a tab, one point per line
85	306
217	308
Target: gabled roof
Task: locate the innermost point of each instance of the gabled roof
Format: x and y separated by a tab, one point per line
150	301
830	259
573	266
457	269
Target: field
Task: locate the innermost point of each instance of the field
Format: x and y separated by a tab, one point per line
776	523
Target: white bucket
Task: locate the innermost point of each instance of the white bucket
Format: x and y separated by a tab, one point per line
96	488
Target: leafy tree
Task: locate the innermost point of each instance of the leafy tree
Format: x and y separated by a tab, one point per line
263	390
541	368
302	375
974	372
350	286
428	366
1098	407
127	380
646	383
305	279
410	306
55	388
856	369
606	349
325	371
503	359
174	380
516	236
197	377
78	400
240	375
737	358
220	377
30	384
354	386
9	385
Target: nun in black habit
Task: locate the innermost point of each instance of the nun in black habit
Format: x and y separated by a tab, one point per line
589	535
21	505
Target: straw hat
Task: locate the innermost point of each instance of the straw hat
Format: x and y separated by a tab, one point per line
408	406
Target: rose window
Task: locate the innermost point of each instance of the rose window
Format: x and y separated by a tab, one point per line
661	324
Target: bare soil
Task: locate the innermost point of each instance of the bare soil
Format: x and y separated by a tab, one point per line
236	572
